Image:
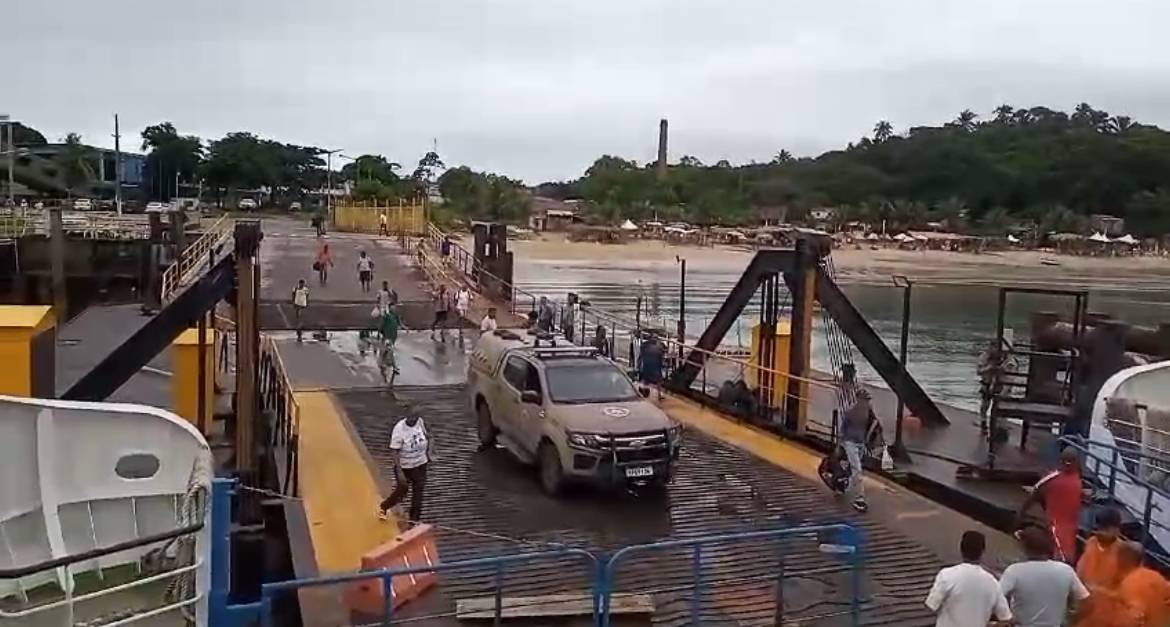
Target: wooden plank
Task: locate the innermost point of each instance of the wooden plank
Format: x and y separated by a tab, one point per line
550	605
1026	410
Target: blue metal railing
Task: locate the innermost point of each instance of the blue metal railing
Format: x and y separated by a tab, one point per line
601	572
496	564
846	536
1115	466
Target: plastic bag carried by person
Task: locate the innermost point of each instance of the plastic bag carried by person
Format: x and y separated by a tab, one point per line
834	470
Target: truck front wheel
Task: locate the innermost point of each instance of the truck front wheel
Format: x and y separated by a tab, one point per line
484	427
552	476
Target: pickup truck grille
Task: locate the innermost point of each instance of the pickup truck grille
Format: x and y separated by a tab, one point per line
641	447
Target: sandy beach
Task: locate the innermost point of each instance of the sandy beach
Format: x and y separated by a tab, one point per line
1019	267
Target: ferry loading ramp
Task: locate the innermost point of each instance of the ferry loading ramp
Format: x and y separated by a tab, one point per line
486	503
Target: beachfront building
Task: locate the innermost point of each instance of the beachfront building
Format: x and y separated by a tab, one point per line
550	214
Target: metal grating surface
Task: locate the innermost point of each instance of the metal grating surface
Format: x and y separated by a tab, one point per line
476	496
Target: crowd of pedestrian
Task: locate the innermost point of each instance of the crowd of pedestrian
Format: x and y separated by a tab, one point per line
1106	585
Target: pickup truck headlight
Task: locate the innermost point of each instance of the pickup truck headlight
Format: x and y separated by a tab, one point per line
584	440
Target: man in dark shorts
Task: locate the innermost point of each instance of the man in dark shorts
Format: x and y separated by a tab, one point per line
365	268
442	305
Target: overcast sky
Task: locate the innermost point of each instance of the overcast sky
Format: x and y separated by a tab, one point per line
539	88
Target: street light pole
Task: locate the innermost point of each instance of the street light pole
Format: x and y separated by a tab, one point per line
118	168
898	450
329	181
9	123
682	304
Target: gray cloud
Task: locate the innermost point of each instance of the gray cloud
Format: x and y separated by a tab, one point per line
538	88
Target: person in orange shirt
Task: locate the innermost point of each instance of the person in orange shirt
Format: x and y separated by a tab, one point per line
1060	491
1144	591
322	264
1099	570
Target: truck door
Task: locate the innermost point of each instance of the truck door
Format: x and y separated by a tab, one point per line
507	406
530	418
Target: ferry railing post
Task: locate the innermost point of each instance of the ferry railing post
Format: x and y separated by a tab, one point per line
388	598
697	594
898	450
499	595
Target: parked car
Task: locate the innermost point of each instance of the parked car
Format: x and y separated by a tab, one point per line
82	204
155	207
295	206
247	204
575	414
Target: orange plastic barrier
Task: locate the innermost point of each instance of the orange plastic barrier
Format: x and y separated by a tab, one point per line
413	549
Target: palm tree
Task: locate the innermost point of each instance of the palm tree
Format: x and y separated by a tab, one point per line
966	120
76	161
782	157
882	131
1003	113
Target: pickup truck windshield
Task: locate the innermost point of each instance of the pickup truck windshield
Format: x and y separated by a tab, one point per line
589	382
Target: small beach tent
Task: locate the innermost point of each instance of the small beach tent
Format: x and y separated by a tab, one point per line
1013	239
1099	237
629	226
902	237
872	236
1126	239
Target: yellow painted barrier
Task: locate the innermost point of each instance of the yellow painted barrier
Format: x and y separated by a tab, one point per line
365	217
27	350
185	377
338	489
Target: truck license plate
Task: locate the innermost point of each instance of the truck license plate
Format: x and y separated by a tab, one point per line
640	471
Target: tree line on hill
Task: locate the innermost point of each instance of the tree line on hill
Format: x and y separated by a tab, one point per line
1036	166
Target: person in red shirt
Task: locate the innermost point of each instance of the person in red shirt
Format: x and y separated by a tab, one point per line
1060	491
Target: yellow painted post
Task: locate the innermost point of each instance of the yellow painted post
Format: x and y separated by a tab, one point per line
779	366
185	377
28	343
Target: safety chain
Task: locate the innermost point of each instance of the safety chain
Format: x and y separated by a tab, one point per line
467	532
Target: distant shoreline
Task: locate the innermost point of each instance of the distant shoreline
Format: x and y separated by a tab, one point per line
864	265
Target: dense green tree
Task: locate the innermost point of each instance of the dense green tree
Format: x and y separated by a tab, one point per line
76	161
478	196
172	159
242	161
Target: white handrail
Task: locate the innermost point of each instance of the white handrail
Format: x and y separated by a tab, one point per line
103	592
194	258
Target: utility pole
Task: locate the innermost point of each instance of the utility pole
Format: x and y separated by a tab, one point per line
11	126
118	168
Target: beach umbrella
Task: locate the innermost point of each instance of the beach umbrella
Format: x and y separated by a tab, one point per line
629	226
1126	239
1098	237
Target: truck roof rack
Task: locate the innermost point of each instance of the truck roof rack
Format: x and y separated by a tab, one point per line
564	351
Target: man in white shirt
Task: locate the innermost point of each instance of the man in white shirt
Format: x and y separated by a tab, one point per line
365	268
1040	589
386	298
462	306
410	448
489	324
966	595
300	300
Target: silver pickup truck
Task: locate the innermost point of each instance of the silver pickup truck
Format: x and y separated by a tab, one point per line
573	413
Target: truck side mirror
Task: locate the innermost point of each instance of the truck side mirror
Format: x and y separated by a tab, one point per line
532	397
